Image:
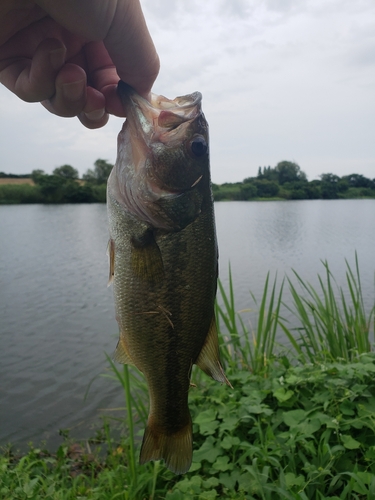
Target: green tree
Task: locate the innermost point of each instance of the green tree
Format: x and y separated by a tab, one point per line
52	188
72	192
313	190
330	178
247	191
330	186
288	171
66	171
268	173
100	174
358	180
37	174
266	189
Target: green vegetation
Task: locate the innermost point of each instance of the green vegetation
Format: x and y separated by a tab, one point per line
62	186
286	181
19	193
100	173
299	423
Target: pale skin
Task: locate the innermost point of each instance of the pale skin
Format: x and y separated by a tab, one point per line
70	54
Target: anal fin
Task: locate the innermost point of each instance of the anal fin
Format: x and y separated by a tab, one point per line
209	359
121	354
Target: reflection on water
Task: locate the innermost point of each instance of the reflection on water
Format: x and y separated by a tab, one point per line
57	315
56	318
281	236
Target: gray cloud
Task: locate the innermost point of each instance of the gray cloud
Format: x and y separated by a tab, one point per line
280	80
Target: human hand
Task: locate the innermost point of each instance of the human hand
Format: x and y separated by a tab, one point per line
70	55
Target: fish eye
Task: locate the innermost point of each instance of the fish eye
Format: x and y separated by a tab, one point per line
198	146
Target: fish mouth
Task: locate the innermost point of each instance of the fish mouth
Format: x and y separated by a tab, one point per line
159	119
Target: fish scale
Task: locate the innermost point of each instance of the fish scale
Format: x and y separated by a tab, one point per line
163	262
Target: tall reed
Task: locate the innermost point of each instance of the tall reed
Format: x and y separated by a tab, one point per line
333	322
250	349
332	325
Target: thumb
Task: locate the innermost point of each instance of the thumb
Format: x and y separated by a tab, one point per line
131	48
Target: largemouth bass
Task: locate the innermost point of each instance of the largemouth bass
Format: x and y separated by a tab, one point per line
164	262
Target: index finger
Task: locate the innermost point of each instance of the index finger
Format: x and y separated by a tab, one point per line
102	75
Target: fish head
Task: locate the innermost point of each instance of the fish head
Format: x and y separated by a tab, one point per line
162	168
179	144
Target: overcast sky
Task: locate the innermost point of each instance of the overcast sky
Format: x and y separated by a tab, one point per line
281	80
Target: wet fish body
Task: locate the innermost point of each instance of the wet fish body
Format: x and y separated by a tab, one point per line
163	262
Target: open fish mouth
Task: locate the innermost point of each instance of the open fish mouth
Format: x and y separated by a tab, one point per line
159	116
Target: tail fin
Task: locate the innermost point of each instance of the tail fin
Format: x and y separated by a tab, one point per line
176	449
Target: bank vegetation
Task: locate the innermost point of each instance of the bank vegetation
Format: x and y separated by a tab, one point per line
285	181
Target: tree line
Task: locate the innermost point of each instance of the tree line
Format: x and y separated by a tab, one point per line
63	186
284	181
287	181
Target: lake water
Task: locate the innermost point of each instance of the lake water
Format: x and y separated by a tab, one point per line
57	314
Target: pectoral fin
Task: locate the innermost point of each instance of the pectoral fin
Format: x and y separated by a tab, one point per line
111	258
146	258
208	359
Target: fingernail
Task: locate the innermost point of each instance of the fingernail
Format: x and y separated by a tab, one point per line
74	91
95	115
57	57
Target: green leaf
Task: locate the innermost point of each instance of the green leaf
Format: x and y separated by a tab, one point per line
346	408
367	407
257	409
366	477
28	488
325	419
208	451
222	464
228	480
229	424
212	482
195	466
294	417
205	416
229	441
308	427
208	495
207	422
282	395
370	454
349	442
192	485
174	495
293	379
293	480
